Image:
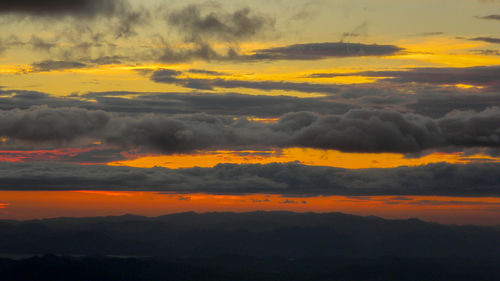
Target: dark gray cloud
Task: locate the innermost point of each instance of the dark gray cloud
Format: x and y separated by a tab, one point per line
229	104
272	85
487	52
207	72
81	155
61	65
172	77
51	65
308	51
432	101
439	103
490	17
484	76
84	33
493	40
201	25
55	8
434	33
277	178
315	51
201	51
128	21
43	124
355	131
19	99
201	22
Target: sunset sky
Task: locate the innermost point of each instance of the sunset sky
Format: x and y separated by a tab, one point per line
370	107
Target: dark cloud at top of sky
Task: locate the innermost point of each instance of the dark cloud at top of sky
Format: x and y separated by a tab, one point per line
315	51
200	22
490	17
57	8
358	130
276	178
82	33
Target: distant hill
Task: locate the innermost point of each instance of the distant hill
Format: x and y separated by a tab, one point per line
253	234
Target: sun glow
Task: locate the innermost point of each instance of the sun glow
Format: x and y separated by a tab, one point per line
307	156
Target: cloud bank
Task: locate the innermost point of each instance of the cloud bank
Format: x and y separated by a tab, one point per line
482	76
358	130
286	179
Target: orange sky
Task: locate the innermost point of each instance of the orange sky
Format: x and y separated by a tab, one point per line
63	64
443	209
307	156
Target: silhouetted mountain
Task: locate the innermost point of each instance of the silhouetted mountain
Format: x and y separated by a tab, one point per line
254	234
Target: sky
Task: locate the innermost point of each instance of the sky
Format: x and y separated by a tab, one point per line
251	104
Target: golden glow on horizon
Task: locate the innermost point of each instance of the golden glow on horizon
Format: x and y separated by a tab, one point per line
307	156
446	51
45	204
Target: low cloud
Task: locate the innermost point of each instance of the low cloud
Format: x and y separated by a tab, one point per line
286	179
43	124
428	100
358	130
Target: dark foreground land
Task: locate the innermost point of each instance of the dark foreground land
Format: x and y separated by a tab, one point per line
247	246
231	268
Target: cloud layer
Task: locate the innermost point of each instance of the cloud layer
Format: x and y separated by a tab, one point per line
358	130
286	179
482	76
